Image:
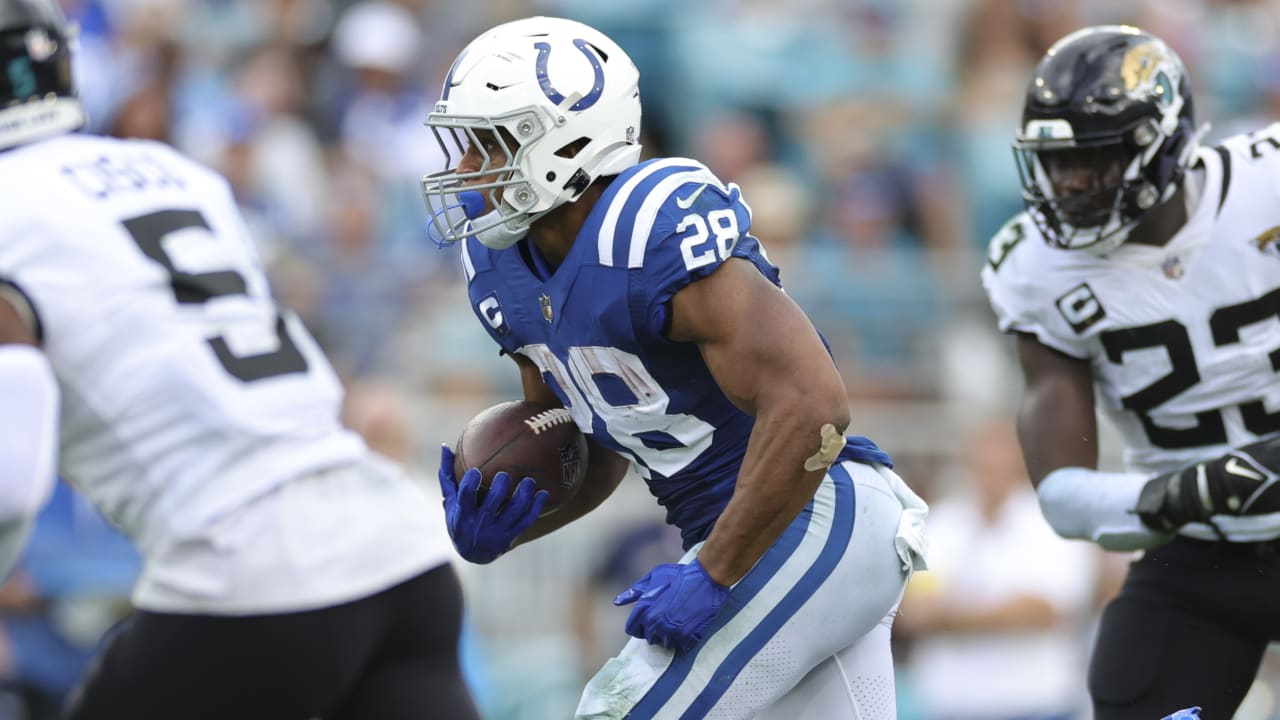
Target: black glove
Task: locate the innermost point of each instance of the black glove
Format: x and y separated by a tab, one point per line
1242	482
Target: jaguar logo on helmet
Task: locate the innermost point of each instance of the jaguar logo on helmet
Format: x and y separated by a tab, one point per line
1150	69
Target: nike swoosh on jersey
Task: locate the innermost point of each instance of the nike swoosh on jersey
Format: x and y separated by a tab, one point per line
686	203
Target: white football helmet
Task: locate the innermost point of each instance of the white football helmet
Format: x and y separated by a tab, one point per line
562	102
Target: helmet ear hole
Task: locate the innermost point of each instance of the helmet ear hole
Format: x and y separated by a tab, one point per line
570	150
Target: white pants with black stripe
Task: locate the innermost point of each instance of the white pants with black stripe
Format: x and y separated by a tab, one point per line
805	634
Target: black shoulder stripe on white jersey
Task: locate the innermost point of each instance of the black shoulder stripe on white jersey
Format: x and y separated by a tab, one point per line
1225	157
22	304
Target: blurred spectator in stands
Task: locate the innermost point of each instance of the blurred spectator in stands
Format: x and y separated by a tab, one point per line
146	115
774	58
732	143
782	218
871	284
1001	40
380	123
360	300
94	64
1231	46
148	60
270	154
998	625
72	585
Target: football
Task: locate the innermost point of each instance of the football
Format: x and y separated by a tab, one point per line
526	439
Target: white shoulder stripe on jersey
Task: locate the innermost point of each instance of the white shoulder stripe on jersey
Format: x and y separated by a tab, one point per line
642	225
468	268
609	226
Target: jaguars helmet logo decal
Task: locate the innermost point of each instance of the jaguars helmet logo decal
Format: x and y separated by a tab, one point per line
1149	69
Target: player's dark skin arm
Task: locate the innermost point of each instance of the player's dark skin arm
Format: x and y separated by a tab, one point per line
769	361
1057	426
13	329
605	468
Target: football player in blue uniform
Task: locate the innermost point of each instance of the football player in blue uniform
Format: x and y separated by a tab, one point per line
633	294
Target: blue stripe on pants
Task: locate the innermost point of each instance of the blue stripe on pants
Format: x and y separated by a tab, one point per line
746	590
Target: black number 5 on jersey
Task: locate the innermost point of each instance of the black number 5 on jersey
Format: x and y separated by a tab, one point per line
149	232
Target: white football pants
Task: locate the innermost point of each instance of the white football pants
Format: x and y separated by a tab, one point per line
805	634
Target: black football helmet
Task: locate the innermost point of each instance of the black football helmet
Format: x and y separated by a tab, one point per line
37	92
1107	134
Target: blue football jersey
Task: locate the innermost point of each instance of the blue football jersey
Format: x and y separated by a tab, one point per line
595	327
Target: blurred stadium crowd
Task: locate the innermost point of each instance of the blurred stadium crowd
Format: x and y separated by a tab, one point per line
871	138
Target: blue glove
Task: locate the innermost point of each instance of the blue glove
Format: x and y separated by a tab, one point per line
483	530
675	605
1188	714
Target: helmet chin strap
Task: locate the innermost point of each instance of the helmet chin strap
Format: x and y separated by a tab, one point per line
499	236
496	233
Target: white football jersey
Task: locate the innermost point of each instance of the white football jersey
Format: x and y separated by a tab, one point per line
1183	340
186	391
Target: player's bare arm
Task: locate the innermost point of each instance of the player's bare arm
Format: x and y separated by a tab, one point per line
770	362
14	327
1058	432
1056	422
605	468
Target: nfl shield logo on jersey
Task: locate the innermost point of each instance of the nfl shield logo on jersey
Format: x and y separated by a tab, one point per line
1172	267
545	302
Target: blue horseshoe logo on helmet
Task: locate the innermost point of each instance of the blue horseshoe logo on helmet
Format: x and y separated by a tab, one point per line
597	86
